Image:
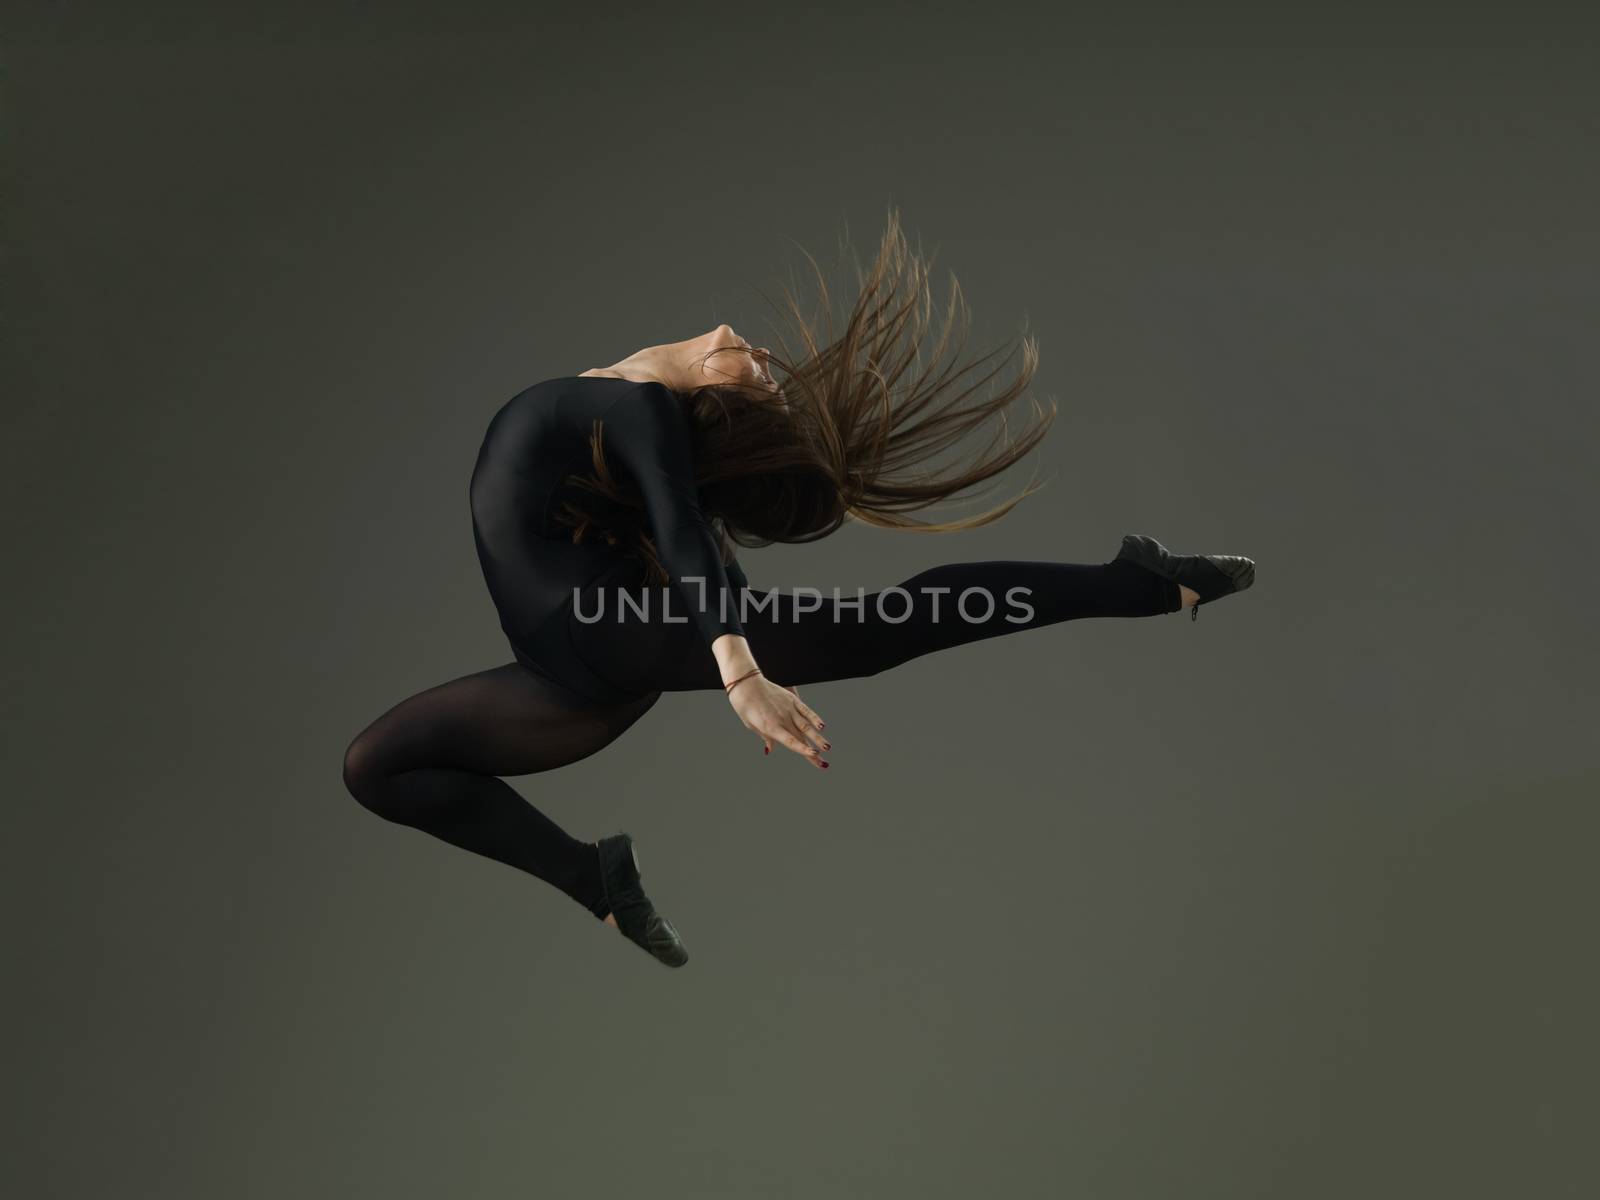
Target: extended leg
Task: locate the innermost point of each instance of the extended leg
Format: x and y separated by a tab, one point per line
432	762
797	641
945	606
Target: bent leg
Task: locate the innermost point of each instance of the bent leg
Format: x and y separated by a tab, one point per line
432	762
798	640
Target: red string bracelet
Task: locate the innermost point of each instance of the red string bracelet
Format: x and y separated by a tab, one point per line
727	688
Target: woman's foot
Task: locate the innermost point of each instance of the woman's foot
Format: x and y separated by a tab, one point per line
631	913
1212	575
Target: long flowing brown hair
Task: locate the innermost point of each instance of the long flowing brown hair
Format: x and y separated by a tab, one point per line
854	434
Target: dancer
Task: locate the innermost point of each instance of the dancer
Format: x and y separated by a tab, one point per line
605	509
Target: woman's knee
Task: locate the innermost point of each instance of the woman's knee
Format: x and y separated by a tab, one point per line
363	771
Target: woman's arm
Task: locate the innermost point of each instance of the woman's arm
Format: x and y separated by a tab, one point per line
649	435
737	577
732	652
733	656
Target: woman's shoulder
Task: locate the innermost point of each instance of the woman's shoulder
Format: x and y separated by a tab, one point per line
583	395
596	384
645	405
608	373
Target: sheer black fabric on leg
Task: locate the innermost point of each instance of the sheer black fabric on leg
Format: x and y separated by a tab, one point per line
433	762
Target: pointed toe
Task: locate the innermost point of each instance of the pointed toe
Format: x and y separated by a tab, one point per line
663	942
1210	576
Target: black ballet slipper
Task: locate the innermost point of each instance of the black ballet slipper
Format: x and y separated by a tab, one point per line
637	918
1211	576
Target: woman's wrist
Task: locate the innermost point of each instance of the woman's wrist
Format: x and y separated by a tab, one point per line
733	657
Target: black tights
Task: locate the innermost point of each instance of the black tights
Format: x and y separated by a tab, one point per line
435	761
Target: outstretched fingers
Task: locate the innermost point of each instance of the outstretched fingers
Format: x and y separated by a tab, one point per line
791	723
809	732
792	738
806	713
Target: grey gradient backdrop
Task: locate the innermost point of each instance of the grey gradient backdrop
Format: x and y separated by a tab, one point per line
1295	900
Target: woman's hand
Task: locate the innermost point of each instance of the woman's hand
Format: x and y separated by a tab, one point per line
777	714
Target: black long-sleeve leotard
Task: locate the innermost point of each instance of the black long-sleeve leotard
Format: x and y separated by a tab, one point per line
548	590
533	568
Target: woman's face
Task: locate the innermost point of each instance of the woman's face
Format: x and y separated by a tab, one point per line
729	359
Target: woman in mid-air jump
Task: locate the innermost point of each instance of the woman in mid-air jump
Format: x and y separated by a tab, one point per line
605	506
